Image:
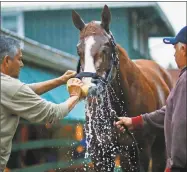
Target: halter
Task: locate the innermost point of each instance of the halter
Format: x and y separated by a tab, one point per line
114	63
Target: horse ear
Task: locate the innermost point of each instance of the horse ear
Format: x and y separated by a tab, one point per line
106	18
78	22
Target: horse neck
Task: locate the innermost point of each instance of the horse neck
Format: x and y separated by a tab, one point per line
127	74
128	70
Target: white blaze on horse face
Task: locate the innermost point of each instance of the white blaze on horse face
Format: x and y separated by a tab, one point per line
89	62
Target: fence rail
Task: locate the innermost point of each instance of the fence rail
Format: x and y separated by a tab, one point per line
47	143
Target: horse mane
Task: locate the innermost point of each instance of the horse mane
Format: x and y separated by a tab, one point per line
122	51
131	72
125	60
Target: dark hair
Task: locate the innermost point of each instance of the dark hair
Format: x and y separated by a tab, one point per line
8	46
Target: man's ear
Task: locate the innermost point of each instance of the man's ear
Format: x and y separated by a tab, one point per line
6	60
184	49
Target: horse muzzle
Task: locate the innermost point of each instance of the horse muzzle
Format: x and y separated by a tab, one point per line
93	88
89	91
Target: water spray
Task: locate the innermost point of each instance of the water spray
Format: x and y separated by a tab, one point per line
136	146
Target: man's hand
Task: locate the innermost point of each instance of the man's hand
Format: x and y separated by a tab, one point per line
67	75
74	87
126	121
84	90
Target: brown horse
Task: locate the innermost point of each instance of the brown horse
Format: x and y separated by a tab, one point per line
139	87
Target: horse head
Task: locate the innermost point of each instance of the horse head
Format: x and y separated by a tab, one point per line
96	48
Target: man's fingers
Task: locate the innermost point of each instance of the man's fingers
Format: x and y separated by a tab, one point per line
80	84
71	72
122	128
78	81
114	123
121	118
74	81
119	122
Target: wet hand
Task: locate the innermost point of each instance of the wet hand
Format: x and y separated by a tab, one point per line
48	125
84	91
124	122
74	87
67	75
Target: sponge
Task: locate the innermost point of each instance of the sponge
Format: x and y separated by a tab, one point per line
84	88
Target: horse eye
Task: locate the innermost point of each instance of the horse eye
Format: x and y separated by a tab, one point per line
104	51
107	44
98	69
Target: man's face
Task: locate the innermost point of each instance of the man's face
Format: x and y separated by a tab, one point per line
15	64
180	55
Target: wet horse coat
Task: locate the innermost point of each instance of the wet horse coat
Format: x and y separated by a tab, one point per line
140	87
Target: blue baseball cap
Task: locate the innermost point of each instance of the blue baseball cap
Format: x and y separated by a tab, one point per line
181	37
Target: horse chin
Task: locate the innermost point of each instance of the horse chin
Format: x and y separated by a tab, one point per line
92	91
92	96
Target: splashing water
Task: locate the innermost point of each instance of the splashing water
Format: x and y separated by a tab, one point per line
101	135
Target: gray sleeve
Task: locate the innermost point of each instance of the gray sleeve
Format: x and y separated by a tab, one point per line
179	126
155	119
31	86
32	107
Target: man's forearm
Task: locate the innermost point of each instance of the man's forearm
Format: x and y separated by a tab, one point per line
154	119
43	87
71	102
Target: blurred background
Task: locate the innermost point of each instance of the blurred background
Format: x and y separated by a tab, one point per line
49	41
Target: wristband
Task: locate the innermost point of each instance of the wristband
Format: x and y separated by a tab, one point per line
137	122
167	170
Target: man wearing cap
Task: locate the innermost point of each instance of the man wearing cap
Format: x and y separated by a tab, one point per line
173	116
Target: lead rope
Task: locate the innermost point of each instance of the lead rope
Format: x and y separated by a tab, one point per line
137	150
